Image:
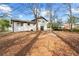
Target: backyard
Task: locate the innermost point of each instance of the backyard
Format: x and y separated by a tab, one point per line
40	43
39	29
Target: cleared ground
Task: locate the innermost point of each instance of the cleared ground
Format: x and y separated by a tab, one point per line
39	44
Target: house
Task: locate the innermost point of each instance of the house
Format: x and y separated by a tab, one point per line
22	25
68	26
75	24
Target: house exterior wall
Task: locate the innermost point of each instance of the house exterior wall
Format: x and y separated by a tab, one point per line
16	26
42	22
32	27
74	26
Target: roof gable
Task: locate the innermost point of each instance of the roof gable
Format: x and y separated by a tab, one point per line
40	18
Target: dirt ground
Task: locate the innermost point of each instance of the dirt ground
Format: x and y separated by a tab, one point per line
70	38
39	44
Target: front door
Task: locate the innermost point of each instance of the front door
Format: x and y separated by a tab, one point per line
42	28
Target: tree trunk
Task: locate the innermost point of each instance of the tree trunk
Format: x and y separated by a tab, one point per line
71	23
36	24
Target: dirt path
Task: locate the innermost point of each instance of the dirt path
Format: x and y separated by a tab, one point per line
35	44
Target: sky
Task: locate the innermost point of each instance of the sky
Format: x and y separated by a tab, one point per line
23	11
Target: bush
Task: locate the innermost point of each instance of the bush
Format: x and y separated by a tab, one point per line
56	26
75	30
4	24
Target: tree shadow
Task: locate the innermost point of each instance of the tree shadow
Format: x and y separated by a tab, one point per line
9	34
6	44
71	41
27	47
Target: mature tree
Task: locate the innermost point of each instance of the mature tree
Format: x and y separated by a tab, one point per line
35	8
70	15
49	15
73	20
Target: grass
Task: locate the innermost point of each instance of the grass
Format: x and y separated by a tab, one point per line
4	32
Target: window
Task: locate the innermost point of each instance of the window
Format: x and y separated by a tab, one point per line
43	21
21	24
18	23
28	23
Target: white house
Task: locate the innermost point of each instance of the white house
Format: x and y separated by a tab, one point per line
68	26
22	25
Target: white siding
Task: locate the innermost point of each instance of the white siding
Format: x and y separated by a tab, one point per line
32	27
26	27
42	22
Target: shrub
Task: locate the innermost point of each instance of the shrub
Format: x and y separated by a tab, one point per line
4	24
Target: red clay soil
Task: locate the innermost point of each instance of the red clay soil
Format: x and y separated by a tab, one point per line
10	45
49	44
70	38
34	44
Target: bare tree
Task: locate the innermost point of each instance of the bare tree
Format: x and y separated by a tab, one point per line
36	12
52	13
49	8
70	15
69	8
